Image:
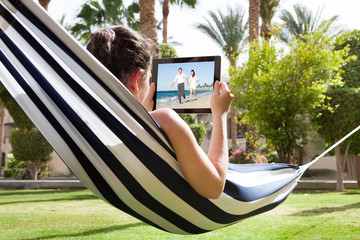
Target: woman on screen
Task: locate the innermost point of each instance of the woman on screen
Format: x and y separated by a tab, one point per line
128	56
193	80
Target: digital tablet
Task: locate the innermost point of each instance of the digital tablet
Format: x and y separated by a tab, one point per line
185	84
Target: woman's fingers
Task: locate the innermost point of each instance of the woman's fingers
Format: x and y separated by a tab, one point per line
217	87
261	159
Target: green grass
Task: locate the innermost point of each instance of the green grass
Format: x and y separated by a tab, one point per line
60	214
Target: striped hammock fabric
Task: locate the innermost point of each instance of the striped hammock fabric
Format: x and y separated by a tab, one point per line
108	139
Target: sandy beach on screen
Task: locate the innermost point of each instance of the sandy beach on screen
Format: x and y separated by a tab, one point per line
203	101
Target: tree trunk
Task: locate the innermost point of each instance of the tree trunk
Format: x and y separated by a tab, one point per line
147	19
148	26
44	4
233	131
348	145
2	131
339	172
34	169
254	15
165	11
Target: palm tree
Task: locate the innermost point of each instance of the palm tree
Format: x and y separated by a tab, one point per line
254	14
166	10
267	11
303	22
229	32
148	24
108	12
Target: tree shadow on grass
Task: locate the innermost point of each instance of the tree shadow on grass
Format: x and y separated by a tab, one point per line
325	210
47	199
302	192
353	192
34	192
102	230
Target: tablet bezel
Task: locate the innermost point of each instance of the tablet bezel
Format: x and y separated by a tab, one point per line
217	69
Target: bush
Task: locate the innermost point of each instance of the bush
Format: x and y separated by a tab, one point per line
199	131
269	154
20	118
32	148
167	51
17	169
7	172
241	157
13	163
198	128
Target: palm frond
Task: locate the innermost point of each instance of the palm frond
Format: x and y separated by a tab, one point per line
184	3
228	30
96	13
303	22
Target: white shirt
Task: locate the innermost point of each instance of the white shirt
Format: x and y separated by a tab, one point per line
180	78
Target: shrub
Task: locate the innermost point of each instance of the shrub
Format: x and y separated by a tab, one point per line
17	169
7	172
20	118
167	51
13	163
241	157
269	154
32	148
198	128
199	131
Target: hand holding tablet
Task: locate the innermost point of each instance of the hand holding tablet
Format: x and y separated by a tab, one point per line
185	84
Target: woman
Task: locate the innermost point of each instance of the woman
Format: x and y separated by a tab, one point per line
193	80
128	56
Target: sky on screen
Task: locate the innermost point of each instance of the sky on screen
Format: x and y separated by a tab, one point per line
166	74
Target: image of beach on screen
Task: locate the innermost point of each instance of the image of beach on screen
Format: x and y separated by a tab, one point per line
184	85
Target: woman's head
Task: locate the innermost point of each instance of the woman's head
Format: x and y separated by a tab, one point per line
192	73
123	51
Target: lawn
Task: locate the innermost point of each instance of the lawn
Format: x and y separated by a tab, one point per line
78	214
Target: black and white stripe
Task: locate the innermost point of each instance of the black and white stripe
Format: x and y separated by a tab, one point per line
109	140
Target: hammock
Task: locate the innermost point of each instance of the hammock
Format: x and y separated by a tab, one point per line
109	140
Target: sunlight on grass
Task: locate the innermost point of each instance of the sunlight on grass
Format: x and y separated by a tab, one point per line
66	214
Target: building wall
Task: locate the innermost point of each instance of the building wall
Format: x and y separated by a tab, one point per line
58	167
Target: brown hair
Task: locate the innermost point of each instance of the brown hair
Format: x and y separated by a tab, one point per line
121	50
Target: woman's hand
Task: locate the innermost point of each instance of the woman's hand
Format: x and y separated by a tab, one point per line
261	159
148	102
221	99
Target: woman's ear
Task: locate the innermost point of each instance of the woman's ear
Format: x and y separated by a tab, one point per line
134	81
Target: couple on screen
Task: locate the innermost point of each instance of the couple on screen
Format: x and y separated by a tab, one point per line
180	78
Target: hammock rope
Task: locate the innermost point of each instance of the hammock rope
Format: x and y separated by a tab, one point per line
109	140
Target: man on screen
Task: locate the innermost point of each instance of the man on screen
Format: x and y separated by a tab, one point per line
180	78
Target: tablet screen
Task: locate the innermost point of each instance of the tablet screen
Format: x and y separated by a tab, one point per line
185	84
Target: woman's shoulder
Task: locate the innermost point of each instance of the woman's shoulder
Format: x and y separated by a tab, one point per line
166	118
166	113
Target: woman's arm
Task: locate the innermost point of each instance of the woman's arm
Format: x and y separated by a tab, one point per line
205	173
